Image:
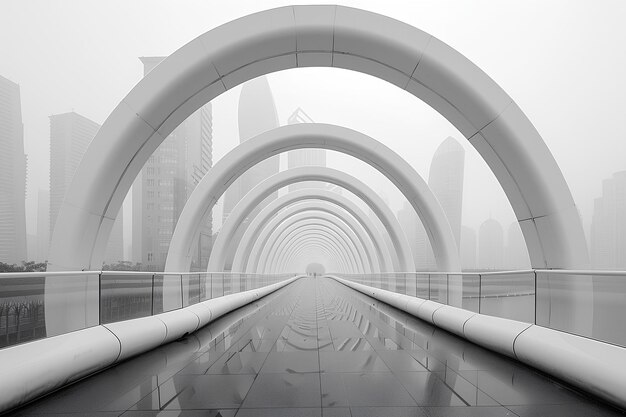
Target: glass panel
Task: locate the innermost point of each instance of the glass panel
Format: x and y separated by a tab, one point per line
125	297
510	296
21	310
157	298
439	288
471	292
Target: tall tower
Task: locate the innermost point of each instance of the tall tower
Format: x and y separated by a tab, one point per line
608	224
164	184
12	175
490	245
445	178
257	114
304	157
70	135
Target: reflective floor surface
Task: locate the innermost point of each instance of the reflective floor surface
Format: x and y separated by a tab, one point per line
318	348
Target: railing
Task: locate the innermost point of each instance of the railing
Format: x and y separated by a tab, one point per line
586	303
122	295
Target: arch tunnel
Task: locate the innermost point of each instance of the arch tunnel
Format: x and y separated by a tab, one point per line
309	305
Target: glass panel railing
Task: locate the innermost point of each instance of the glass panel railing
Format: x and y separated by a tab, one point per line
90	298
509	295
125	296
586	303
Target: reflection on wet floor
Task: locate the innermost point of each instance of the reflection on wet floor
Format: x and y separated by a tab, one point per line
318	348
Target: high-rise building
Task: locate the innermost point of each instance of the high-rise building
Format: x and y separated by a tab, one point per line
445	179
257	114
608	225
43	225
70	135
304	157
12	175
468	248
164	184
490	245
516	253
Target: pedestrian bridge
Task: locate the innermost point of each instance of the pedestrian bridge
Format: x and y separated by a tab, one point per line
262	332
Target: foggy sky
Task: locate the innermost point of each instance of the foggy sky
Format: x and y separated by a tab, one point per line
563	62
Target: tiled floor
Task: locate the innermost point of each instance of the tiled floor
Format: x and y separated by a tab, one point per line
318	348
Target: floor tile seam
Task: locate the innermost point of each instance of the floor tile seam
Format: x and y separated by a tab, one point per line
243	400
317	341
474	385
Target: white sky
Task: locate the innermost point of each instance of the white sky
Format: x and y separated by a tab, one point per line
563	62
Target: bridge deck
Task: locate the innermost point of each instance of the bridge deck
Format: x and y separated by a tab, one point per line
318	348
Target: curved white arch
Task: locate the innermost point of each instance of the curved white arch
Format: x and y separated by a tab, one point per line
324	234
403	259
260	241
227	239
314	135
298	241
311	249
304	36
301	249
290	221
251	235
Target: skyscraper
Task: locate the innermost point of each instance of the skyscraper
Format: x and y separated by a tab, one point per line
445	178
257	114
304	157
608	224
490	245
70	135
12	175
164	184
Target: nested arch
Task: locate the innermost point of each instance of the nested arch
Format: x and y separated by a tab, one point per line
255	246
322	217
307	228
251	236
306	36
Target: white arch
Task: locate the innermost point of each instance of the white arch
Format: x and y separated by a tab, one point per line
332	243
307	206
199	206
313	228
228	238
251	235
313	135
305	36
311	249
305	239
290	221
300	248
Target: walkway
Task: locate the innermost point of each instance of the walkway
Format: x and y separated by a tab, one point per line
318	347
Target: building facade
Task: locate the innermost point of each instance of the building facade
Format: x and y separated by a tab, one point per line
12	175
608	225
164	184
445	179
